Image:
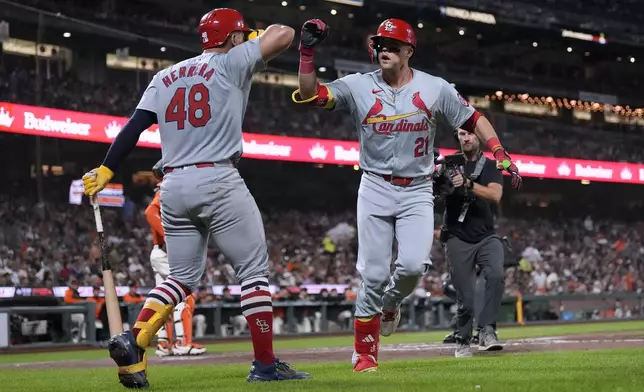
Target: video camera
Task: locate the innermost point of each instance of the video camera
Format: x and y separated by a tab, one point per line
452	164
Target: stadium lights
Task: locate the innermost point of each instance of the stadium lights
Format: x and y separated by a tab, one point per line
632	59
569	49
420	25
585	182
334	12
322	69
302	7
284	3
461	32
163	49
619	59
350	15
67	34
438	29
356	167
571	104
535	44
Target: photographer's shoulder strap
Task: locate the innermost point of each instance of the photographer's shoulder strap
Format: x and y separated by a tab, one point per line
480	164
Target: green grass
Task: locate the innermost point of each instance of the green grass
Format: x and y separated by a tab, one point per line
606	370
399	338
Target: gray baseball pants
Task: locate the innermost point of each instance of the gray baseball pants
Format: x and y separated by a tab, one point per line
199	202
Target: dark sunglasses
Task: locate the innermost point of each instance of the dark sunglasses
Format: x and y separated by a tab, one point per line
388	48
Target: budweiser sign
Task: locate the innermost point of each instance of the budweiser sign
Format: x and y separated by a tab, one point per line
47	124
41	121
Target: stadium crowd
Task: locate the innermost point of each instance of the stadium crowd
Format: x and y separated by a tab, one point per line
271	111
47	245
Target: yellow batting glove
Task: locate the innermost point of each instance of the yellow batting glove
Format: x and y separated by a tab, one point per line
255	33
96	180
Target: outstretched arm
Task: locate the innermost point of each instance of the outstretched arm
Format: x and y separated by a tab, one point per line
460	114
485	131
314	31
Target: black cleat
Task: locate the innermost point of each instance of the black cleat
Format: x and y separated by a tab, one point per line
131	360
451	338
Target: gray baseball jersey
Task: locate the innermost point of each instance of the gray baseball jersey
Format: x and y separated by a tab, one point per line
396	128
200	104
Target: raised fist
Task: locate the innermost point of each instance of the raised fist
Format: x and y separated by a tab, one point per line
314	31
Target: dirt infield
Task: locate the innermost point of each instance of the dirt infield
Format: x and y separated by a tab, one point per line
387	352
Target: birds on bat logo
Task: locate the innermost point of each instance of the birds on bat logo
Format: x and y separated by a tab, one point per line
112	129
318	151
383	124
6	119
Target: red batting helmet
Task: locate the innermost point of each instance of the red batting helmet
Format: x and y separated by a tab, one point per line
396	29
215	27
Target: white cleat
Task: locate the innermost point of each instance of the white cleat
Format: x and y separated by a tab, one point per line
389	321
191	349
163	350
462	351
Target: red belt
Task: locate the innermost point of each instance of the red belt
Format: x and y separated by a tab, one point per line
400	181
197	165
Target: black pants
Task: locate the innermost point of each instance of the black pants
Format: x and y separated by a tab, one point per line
463	258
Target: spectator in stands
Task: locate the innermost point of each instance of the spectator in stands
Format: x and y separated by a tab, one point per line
132	297
205	295
102	325
72	297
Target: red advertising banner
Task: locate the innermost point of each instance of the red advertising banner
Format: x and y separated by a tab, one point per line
66	124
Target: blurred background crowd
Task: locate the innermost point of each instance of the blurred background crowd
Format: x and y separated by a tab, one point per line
52	244
587	248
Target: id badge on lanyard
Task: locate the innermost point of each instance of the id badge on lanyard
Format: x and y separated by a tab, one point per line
466	206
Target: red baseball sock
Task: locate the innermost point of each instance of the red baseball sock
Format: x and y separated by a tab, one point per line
257	307
367	335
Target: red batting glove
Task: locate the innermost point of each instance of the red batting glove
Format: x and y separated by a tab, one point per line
504	162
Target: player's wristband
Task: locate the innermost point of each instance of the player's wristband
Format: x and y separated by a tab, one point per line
493	144
306	60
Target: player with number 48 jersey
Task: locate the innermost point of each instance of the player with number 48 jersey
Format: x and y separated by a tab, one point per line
199	105
394	110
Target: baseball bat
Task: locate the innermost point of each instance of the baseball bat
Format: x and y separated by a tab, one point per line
111	300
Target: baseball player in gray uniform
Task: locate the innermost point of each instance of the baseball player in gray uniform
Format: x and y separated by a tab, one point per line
394	110
199	105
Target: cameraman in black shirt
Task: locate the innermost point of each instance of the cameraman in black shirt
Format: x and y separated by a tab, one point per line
469	239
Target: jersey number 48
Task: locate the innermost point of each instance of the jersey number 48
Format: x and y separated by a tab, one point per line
198	101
